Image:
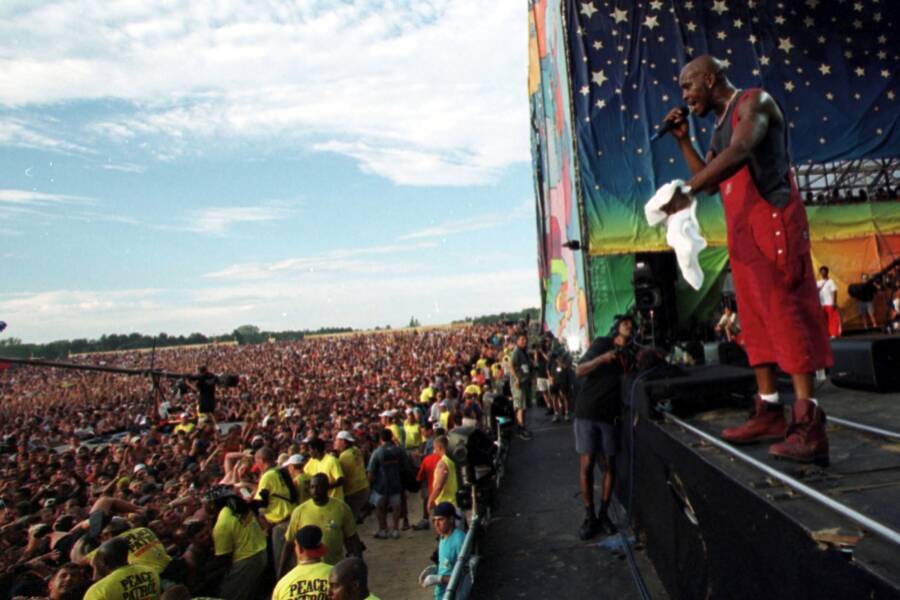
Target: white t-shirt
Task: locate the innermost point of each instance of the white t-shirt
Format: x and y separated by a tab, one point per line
827	288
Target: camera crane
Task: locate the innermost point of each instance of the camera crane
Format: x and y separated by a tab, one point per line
155	375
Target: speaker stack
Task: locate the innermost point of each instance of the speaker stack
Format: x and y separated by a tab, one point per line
867	363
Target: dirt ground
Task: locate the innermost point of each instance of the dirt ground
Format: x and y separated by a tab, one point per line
394	565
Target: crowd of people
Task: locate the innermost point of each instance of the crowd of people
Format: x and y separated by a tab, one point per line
850	196
232	487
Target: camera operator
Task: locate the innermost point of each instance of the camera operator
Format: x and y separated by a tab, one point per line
205	387
596	419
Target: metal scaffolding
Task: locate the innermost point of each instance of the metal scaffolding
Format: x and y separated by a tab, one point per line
849	180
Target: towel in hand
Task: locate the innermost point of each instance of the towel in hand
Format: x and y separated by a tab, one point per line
682	231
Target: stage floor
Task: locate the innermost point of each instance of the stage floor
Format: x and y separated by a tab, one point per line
864	473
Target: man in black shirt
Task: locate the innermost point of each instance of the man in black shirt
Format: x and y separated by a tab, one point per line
596	411
562	378
206	393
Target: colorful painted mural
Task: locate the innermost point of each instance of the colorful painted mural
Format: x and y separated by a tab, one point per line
563	289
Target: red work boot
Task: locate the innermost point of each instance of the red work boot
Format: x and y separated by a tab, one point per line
765	424
806	440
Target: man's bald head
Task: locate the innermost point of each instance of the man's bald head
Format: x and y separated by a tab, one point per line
704	85
111	555
349	580
706	65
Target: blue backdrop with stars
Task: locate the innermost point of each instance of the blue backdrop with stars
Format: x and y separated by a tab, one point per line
832	65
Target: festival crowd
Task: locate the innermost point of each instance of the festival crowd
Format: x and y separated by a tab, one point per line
251	486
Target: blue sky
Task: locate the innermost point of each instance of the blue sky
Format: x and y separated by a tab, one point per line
202	165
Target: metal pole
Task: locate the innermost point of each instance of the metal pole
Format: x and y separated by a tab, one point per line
857	517
62	365
465	551
861	427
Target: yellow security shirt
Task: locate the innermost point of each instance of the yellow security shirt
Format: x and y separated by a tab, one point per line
448	492
145	549
426	395
413	436
354	468
335	519
473	388
304	582
445	420
399	435
331	467
243	537
280	506
185	427
132	582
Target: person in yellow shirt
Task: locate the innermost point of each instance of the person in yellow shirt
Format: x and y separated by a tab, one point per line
309	580
322	462
280	493
444	416
356	484
413	434
444	486
332	516
294	466
472	387
391	420
185	425
144	548
349	580
426	395
239	543
117	580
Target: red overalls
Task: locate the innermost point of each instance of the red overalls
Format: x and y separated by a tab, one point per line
778	302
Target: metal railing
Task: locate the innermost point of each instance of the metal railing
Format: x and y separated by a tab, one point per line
860	519
462	577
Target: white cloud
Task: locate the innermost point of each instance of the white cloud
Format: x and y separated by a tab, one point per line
422	92
217	220
34	198
16	132
288	302
477	223
343	261
124	168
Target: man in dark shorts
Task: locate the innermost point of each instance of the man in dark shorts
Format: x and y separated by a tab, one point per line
769	252
597	408
520	381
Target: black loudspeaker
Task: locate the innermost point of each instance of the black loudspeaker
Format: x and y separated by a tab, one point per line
654	277
867	363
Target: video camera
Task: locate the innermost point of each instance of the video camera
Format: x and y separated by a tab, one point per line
864	290
473	452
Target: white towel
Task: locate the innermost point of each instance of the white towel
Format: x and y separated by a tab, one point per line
682	232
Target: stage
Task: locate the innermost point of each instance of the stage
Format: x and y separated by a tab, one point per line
715	527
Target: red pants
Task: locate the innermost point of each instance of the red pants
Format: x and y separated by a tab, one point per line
832	321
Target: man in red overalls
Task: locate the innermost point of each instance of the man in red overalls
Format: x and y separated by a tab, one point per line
768	245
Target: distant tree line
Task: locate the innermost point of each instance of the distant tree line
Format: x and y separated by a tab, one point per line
532	314
245	334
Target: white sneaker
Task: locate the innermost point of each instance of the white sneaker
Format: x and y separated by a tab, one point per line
382	534
395	534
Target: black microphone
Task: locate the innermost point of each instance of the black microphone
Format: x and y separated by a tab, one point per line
668	126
